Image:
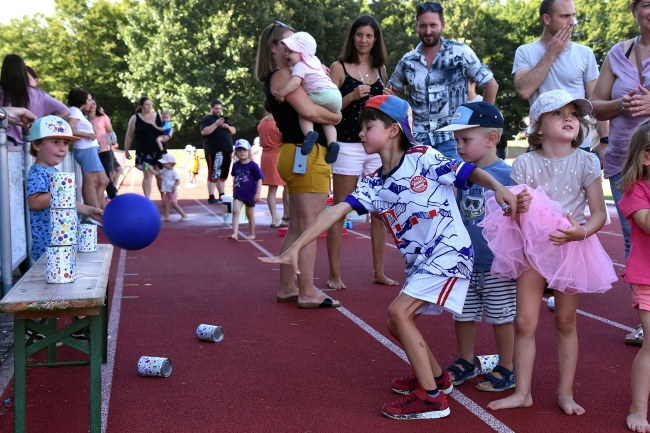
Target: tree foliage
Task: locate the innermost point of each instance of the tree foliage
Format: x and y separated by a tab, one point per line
183	53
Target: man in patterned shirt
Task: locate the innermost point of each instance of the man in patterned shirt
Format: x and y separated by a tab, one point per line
435	74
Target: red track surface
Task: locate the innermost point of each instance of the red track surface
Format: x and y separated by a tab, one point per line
284	369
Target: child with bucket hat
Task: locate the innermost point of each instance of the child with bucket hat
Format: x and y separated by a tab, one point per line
414	196
169	187
307	71
50	136
552	241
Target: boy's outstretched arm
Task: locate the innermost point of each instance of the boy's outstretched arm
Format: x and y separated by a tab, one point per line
323	221
502	194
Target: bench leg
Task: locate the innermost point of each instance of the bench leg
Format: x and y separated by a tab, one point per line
51	349
19	375
96	344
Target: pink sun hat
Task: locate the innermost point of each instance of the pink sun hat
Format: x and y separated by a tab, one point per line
305	44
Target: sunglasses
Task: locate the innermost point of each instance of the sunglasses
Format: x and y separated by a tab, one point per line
273	27
428	7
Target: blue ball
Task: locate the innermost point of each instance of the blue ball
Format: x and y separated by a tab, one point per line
131	221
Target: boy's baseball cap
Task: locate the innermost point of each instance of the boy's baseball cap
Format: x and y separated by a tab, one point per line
242	143
554	99
51	127
473	115
397	109
305	44
167	158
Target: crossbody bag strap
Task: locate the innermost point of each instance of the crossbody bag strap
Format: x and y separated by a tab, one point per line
637	53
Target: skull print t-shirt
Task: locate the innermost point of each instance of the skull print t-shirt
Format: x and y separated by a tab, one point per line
471	203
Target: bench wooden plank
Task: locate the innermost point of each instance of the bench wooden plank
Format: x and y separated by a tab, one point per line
32	294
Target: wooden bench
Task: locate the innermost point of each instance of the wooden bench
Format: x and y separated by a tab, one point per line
32	298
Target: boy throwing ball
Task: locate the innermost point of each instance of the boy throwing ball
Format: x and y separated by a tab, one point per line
413	194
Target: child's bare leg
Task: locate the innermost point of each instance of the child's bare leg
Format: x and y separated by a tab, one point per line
567	350
159	141
165	210
504	335
465	335
236	208
307	129
530	288
637	420
401	322
180	211
250	214
330	133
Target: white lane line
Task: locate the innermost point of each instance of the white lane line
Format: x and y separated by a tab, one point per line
470	405
610	233
114	321
602	319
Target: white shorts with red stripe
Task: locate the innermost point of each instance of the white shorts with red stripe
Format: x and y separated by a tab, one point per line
442	293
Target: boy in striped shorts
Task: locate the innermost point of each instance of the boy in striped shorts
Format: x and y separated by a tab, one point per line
478	127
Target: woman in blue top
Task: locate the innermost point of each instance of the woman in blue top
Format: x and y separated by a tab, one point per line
359	73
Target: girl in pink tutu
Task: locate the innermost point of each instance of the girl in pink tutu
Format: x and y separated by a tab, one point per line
550	240
635	205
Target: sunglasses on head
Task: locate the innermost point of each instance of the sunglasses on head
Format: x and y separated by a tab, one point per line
428	7
275	24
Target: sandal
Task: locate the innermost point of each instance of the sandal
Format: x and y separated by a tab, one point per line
469	371
506	381
635	338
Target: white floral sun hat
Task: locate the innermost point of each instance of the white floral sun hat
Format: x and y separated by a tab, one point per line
554	99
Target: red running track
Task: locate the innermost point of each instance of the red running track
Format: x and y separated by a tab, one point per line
284	369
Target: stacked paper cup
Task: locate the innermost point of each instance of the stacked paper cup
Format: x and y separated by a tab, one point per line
61	254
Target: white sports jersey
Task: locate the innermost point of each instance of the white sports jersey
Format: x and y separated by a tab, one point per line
417	204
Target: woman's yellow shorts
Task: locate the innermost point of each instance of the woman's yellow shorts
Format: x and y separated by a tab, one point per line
317	177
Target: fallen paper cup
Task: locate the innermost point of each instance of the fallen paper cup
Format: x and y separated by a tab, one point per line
87	238
486	363
154	366
63	193
61	265
209	333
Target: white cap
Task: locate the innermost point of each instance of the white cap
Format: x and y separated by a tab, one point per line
242	143
167	158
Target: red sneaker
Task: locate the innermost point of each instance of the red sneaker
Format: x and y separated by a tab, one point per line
418	405
406	385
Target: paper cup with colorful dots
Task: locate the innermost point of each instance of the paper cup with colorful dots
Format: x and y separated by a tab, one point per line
154	366
64	226
61	265
62	191
209	333
87	238
486	363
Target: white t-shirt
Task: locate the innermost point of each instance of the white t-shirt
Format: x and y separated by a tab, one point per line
570	71
417	205
169	179
313	80
84	125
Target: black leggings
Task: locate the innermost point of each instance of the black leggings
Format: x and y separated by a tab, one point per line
107	162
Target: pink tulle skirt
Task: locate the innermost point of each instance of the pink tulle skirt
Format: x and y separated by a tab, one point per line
572	268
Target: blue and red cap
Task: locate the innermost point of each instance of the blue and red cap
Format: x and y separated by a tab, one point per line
397	109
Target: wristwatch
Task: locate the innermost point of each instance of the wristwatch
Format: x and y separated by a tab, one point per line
604	140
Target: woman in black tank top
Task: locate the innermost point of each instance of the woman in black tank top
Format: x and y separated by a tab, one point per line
360	72
307	192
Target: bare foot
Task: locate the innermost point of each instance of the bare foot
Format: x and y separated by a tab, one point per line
288	293
335	284
515	400
569	406
250	237
638	423
381	278
183	218
232	237
165	219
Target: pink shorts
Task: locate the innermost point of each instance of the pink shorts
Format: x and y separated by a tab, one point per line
641	297
354	161
171	197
